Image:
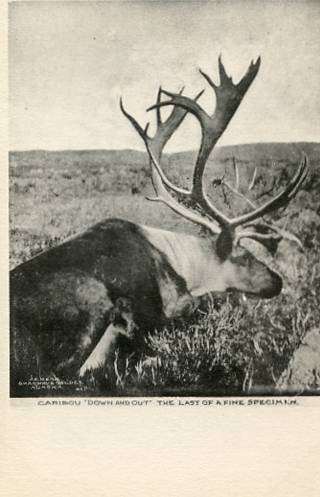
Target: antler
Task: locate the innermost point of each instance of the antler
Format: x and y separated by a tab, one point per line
154	146
228	98
165	130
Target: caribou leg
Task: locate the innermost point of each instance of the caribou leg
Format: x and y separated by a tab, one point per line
103	355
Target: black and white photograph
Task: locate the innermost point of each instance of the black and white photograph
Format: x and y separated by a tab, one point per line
164	199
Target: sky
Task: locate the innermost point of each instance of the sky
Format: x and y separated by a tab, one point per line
69	63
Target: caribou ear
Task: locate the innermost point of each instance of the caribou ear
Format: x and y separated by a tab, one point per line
224	244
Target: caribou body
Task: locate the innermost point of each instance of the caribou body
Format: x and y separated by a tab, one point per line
73	304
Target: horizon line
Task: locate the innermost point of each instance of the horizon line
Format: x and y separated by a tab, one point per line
166	153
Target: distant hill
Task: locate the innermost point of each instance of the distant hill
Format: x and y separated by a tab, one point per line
260	152
82	158
256	152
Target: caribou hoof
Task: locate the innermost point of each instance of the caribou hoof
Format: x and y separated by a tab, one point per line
97	379
97	374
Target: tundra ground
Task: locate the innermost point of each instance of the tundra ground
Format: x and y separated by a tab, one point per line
232	346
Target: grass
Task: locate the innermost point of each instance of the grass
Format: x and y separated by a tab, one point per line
232	346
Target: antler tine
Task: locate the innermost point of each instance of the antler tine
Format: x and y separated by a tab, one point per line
146	129
253	179
236	171
158	110
142	132
251	73
259	237
222	72
209	80
282	199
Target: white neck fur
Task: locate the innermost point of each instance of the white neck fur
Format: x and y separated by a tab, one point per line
193	258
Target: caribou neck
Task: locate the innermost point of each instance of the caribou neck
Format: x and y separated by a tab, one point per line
192	257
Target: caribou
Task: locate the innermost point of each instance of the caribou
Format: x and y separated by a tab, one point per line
73	305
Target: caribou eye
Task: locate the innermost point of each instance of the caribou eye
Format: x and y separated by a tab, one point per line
242	260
